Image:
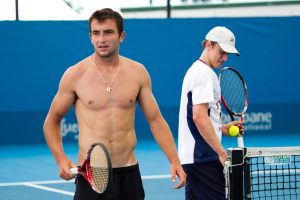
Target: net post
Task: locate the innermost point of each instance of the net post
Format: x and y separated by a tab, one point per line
236	189
247	184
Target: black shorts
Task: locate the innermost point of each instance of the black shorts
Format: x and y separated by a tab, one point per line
126	185
205	181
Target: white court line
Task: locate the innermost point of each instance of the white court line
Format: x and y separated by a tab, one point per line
35	182
163	176
49	189
38	184
156	176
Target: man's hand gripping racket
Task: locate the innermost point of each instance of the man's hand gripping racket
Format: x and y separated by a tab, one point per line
97	168
234	96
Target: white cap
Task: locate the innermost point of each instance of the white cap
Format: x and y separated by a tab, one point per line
224	37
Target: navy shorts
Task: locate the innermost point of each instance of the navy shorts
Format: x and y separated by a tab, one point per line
205	181
126	185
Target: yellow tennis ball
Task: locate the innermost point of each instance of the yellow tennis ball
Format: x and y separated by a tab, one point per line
234	131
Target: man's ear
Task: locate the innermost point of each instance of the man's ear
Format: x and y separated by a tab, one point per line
122	36
90	36
208	43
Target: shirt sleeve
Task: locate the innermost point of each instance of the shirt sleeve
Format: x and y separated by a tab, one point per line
202	88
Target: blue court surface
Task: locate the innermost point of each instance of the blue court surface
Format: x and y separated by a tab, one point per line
30	172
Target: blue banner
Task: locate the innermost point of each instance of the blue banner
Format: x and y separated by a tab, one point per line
35	54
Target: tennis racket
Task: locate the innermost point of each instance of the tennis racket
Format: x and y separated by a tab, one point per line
234	96
96	168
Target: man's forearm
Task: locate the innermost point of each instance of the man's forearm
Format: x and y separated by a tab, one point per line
164	138
53	138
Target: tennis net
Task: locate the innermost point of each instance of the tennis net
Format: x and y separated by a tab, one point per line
263	173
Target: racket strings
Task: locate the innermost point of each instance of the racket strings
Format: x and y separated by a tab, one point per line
99	168
233	91
100	178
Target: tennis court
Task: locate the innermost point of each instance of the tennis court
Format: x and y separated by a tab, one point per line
34	55
30	172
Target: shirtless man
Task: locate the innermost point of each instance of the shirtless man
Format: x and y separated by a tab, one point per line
104	89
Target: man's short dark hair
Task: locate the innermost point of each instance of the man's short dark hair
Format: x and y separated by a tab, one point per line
107	13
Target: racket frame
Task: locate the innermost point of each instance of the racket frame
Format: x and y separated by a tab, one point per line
231	113
85	169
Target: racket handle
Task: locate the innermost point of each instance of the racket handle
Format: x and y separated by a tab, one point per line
74	170
240	141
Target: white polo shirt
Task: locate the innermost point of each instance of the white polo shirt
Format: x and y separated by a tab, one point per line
200	85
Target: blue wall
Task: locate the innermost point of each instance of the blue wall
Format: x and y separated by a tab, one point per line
34	55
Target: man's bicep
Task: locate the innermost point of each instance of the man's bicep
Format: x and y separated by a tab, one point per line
200	110
65	95
61	104
62	101
148	104
201	117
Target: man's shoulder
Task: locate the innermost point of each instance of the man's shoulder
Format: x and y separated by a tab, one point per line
131	62
133	65
199	69
83	63
80	66
74	72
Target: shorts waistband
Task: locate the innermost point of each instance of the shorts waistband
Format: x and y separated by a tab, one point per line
127	168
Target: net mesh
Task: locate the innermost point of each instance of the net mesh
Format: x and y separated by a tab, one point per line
233	91
271	173
271	180
99	168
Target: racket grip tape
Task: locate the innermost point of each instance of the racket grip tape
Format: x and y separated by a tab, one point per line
240	141
74	170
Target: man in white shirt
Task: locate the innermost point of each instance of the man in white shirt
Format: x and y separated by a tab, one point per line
200	127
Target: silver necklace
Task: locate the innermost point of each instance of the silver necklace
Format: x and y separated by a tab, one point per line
108	85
